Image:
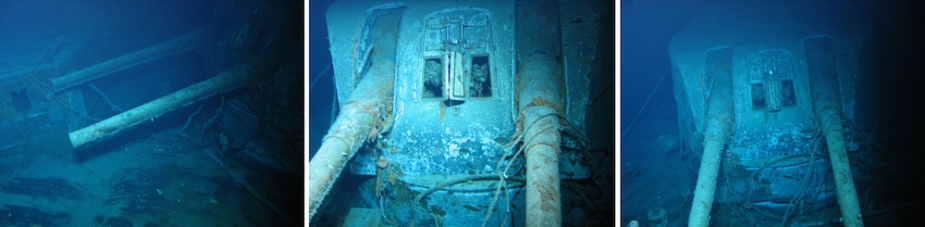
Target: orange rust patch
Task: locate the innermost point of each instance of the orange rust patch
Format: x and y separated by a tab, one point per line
540	101
373	133
549	199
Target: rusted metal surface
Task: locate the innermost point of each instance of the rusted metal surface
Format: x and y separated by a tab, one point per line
351	129
541	103
364	115
541	142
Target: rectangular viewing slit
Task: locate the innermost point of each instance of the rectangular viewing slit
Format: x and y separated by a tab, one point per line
480	84
758	101
787	91
433	77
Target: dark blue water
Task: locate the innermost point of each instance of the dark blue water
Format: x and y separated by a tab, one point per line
653	173
322	94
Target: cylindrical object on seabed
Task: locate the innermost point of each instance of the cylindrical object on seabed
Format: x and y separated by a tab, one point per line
225	81
179	44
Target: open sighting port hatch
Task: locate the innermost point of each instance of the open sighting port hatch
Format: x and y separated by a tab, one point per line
468	77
